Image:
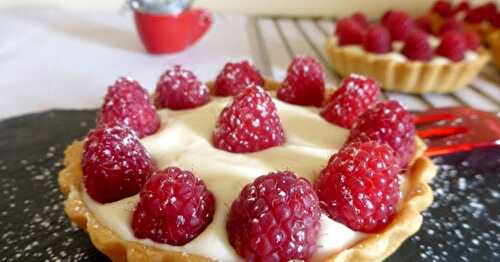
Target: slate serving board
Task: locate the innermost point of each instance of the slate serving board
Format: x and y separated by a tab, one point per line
463	224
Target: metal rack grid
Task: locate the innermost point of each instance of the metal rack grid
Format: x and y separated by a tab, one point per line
275	40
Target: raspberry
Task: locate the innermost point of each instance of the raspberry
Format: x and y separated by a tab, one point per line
451	24
399	24
472	40
488	10
452	46
360	18
114	163
236	76
275	218
424	23
349	32
377	40
355	95
127	103
390	123
359	187
304	83
462	7
174	207
249	124
417	47
495	20
443	8
178	88
474	16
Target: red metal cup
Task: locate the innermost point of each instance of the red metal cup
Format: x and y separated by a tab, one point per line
170	33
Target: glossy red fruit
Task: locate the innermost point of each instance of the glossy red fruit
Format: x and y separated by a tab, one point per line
359	187
475	16
236	76
387	122
275	218
249	124
495	20
452	46
360	18
350	100
488	9
377	40
349	32
128	104
115	165
417	47
463	6
443	8
451	24
174	207
304	83
472	40
179	88
399	24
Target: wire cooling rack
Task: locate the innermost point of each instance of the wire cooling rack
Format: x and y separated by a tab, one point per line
275	40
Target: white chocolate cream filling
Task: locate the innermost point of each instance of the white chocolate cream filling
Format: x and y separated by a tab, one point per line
397	47
184	140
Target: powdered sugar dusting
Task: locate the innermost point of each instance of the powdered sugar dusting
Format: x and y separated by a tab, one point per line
463	223
32	223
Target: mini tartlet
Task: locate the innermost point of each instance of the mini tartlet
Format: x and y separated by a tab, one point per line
416	196
404	75
482	19
396	72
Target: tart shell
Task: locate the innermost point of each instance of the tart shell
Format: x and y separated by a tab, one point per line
374	247
494	43
407	76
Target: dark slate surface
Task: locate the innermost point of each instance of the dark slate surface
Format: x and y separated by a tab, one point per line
463	224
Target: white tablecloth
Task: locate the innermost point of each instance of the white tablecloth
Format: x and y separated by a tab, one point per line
54	58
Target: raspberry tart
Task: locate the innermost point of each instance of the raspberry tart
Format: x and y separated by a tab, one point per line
260	172
483	19
402	55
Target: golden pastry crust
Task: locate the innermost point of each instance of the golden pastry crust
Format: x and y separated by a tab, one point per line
407	76
494	43
374	247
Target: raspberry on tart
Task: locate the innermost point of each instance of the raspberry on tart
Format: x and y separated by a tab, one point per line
390	123
275	218
488	9
115	165
463	6
236	76
417	47
474	16
349	32
443	8
472	40
377	40
127	103
178	88
452	46
360	18
355	94
495	20
451	24
249	124
304	83
174	207
359	187
399	24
